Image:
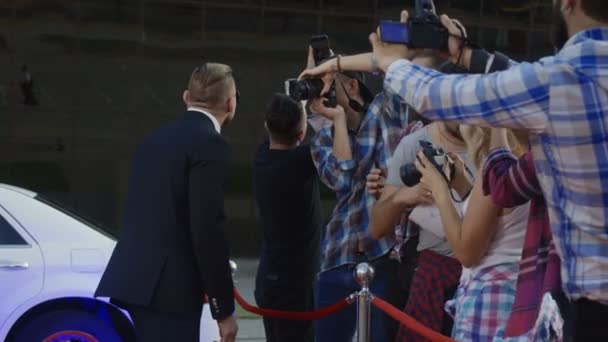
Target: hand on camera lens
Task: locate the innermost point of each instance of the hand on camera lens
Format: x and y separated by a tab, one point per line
431	177
326	71
333	114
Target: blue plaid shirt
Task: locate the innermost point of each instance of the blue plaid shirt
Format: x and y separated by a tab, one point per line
347	234
563	101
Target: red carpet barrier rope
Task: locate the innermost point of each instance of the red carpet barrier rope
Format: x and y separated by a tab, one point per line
390	310
295	316
409	322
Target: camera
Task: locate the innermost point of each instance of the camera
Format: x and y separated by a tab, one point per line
410	176
321	50
303	90
423	31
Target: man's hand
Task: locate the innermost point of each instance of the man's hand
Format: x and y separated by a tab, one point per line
414	196
456	50
375	182
326	71
228	329
333	114
386	54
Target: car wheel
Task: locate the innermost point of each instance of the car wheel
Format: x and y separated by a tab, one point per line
67	326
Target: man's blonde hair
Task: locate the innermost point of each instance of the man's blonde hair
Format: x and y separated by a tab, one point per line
210	84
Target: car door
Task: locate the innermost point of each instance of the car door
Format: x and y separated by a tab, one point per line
21	265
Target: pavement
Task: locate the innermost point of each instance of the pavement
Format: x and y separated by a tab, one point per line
251	327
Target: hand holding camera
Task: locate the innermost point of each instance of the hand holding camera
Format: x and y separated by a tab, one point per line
433	177
424	31
319	105
375	182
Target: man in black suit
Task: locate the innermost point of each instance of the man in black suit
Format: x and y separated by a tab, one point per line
172	249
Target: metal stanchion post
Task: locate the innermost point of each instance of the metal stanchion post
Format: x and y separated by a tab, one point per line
233	268
364	274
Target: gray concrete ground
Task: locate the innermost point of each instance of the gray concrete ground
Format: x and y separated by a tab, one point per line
250	326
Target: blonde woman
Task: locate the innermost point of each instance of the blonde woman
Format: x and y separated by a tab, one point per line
487	241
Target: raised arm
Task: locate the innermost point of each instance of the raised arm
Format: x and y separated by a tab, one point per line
331	150
515	98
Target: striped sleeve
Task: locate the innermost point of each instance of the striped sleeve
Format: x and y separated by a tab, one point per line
514	98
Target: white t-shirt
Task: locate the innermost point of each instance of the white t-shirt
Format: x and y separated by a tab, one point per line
507	245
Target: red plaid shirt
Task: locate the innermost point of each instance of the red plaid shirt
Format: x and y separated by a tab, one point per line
436	276
512	182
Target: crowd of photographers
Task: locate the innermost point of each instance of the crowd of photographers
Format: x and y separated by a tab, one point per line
487	223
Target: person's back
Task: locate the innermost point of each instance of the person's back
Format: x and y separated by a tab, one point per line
287	198
172	250
161	219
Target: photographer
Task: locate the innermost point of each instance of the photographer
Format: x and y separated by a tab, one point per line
561	101
434	274
363	134
287	197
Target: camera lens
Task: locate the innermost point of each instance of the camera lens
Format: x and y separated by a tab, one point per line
410	176
305	89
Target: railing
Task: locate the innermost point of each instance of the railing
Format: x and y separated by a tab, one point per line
364	275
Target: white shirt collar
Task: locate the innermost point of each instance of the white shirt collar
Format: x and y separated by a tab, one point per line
216	123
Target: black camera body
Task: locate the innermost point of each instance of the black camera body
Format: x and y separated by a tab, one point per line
422	31
308	89
410	176
426	29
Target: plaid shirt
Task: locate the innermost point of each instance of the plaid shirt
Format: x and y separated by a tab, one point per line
563	101
347	236
436	277
512	182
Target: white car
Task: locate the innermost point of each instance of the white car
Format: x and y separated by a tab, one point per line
50	264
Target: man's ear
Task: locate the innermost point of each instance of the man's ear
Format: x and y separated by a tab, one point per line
231	105
300	136
186	97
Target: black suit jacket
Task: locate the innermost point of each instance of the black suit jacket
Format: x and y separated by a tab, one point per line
172	249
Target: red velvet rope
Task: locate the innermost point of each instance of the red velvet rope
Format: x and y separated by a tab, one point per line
295	316
409	322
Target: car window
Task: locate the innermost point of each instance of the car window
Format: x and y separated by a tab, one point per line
94	224
8	235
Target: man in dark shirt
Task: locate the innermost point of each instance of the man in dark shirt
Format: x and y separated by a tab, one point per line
287	197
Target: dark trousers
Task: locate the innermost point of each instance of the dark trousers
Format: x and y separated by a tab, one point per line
589	320
290	293
154	326
338	283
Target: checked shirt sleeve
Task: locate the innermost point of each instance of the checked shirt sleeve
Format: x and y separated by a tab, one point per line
515	98
336	174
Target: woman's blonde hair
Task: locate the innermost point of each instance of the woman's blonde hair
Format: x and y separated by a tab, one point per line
477	140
